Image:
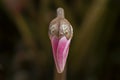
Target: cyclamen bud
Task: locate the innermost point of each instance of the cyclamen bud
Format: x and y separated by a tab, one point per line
60	34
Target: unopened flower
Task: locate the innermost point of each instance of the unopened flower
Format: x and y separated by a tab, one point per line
60	34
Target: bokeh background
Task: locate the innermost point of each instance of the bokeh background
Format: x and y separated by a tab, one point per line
25	49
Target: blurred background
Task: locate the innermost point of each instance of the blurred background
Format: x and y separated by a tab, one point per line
25	49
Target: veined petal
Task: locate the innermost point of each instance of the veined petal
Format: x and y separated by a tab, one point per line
54	42
62	53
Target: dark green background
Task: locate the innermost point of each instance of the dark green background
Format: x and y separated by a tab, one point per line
25	49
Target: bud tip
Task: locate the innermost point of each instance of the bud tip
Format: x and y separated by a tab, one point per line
60	12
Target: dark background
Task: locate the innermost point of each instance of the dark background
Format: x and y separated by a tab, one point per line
25	49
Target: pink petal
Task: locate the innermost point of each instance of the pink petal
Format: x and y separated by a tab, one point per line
62	53
60	49
54	42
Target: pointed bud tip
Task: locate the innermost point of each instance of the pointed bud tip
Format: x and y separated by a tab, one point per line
60	70
60	12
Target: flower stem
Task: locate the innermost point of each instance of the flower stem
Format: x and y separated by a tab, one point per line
60	76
